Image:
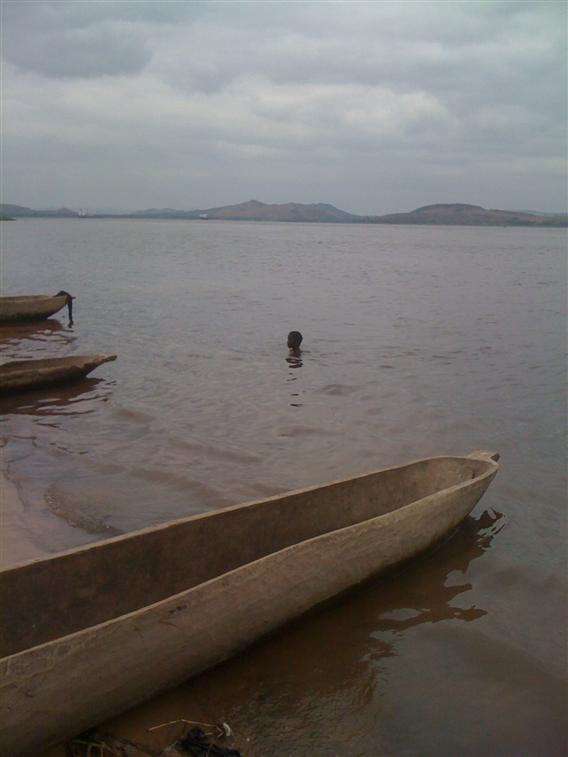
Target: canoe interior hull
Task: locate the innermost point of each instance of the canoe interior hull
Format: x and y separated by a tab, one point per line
175	600
34	308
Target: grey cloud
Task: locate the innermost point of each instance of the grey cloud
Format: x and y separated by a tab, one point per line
467	55
79	53
86	39
70	14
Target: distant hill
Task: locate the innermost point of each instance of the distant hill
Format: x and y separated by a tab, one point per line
20	211
458	214
291	211
253	210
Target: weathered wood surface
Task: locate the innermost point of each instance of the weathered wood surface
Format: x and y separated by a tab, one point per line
29	308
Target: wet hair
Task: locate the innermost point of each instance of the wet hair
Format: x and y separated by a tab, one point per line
294	340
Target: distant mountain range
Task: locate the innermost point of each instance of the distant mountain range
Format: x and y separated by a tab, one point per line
259	211
19	211
454	214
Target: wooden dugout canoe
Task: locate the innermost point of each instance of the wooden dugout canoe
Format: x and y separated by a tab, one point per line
20	375
93	631
30	308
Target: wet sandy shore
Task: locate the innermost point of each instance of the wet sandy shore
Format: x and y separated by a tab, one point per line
15	544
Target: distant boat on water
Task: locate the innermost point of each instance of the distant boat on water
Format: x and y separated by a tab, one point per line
204	216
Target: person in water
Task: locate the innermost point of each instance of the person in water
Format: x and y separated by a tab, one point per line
295	340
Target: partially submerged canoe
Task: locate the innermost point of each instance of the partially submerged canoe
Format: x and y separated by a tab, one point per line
32	307
93	631
21	375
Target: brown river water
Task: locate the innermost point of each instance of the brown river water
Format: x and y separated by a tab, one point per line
418	341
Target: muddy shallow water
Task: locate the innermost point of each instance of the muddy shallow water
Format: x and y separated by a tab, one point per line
418	341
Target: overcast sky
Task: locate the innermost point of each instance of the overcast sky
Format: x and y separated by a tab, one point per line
371	106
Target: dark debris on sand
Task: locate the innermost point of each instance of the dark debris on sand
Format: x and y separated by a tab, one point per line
197	744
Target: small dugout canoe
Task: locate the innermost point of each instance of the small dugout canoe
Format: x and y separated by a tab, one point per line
31	307
95	630
21	375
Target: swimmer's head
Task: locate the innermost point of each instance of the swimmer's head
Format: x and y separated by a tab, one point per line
294	340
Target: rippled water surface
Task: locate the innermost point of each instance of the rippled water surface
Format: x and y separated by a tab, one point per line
417	341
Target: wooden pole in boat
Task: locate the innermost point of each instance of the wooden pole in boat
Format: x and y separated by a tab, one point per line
69	303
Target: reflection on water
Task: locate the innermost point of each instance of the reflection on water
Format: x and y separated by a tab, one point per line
435	602
20	330
294	361
48	333
72	398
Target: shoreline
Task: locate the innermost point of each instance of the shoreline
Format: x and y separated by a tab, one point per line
15	546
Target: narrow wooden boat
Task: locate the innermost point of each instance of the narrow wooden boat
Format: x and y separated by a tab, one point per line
31	308
21	375
90	632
